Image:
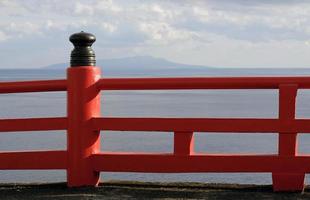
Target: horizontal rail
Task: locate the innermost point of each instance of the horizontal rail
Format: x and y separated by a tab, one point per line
33	86
160	84
33	160
33	124
201	83
202	125
169	163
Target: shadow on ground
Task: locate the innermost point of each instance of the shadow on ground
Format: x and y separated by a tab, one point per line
143	190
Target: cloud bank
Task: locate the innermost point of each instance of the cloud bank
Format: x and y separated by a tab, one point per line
159	27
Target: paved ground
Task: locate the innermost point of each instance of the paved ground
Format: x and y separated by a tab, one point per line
140	190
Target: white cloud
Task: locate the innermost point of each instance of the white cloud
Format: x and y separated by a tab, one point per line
202	13
3	36
166	27
108	27
23	28
257	22
83	9
108	5
11	8
96	7
307	43
163	32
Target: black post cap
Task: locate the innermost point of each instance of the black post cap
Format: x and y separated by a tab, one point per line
82	54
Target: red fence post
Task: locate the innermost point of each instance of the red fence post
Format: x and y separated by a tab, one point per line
287	180
183	143
83	104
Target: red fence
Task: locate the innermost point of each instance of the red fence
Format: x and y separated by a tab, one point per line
84	161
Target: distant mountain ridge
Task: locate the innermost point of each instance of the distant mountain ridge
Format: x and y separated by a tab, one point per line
152	66
138	65
136	62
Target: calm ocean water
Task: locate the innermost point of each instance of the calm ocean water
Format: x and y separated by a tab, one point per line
181	103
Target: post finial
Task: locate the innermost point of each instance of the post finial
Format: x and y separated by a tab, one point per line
82	54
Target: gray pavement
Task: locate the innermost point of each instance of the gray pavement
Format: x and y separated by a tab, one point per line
143	190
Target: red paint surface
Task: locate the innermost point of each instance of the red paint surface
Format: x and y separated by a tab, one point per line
183	143
170	163
82	140
33	86
201	83
287	180
33	160
84	161
33	124
224	125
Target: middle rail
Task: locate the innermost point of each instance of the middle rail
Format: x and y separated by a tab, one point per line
201	83
226	125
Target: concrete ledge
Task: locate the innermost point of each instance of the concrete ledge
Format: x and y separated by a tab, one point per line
145	190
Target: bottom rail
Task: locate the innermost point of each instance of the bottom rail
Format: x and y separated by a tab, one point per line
169	163
33	160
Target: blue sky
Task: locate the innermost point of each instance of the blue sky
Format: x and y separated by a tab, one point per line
221	33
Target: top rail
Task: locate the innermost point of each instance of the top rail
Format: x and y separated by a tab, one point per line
33	86
201	83
161	84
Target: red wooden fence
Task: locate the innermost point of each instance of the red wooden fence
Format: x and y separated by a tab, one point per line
84	161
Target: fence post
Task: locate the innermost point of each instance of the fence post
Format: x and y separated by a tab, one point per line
286	180
183	143
82	105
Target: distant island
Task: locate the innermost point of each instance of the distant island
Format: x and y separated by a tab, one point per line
152	66
140	65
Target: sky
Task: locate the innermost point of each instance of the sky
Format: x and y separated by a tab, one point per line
219	33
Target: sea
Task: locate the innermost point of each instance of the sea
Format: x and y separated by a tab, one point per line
156	103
